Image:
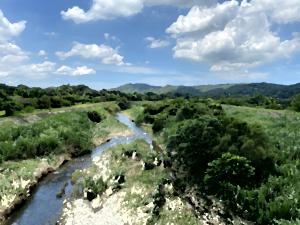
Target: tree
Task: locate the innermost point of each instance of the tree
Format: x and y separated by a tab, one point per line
296	103
44	102
8	105
3	99
11	107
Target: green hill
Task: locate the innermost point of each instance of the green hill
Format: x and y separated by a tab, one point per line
267	89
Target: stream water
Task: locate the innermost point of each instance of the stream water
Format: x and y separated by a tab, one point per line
44	208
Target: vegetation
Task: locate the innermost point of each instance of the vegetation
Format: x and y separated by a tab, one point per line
247	157
63	133
14	100
296	103
276	91
240	148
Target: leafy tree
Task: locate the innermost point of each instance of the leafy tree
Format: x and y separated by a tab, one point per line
296	103
11	107
44	102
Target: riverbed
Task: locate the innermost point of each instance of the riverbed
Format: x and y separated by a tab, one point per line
44	208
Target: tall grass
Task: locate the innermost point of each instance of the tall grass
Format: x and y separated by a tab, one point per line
63	133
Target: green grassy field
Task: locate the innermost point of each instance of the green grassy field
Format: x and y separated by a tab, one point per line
28	117
282	126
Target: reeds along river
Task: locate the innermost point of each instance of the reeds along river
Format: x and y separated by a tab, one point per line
44	208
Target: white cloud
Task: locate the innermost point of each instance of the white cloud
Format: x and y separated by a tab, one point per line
280	12
11	55
232	36
106	10
180	3
105	53
42	53
78	71
157	43
41	69
205	19
31	71
8	29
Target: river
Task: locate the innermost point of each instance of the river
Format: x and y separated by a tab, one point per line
44	208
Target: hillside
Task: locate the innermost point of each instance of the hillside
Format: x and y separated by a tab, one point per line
268	89
144	88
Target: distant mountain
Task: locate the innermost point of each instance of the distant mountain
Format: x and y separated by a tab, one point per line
194	90
268	89
140	88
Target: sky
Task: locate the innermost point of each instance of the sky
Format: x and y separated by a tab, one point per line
104	44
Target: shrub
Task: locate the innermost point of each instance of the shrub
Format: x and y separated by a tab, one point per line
94	187
63	133
158	124
44	102
123	103
229	169
94	116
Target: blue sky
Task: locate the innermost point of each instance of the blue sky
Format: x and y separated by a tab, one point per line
105	44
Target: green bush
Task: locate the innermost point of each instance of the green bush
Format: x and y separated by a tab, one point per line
94	116
123	103
229	169
64	133
97	187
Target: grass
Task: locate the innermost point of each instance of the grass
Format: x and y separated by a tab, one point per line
135	110
282	126
178	217
25	117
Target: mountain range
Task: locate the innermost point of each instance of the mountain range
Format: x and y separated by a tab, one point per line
273	90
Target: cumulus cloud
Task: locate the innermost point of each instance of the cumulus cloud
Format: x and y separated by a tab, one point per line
11	55
205	19
157	43
105	53
8	29
107	10
40	69
14	62
104	10
78	71
280	12
233	36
